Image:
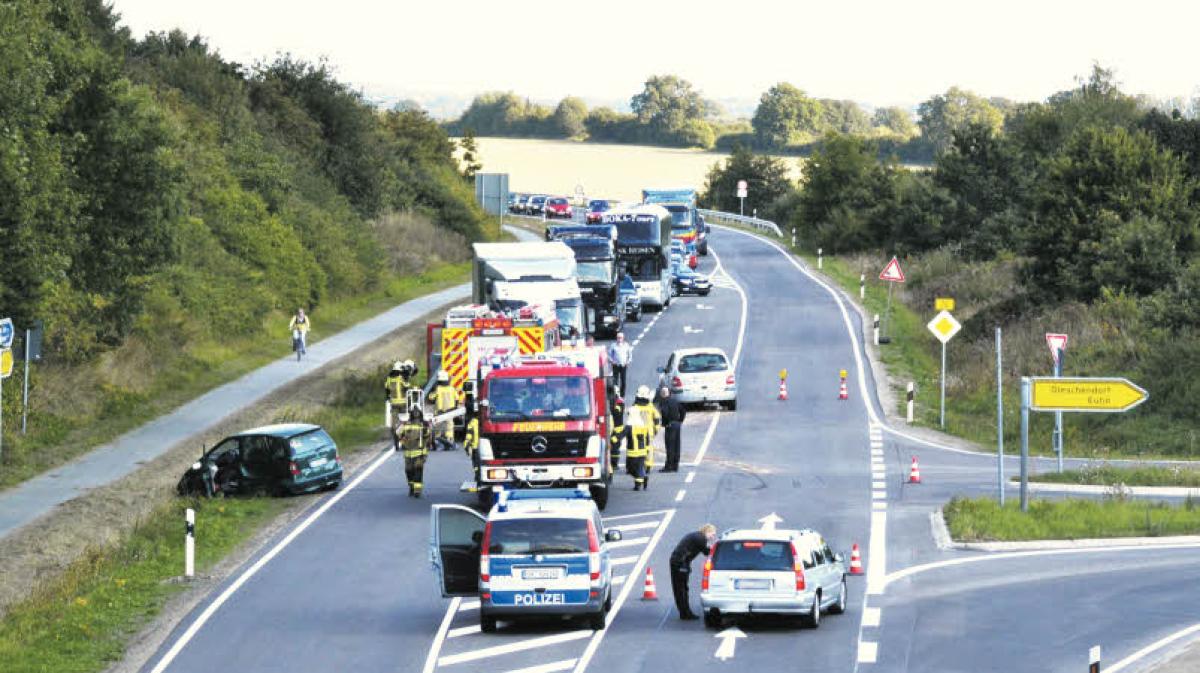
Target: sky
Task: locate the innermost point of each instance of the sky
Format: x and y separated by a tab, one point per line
877	53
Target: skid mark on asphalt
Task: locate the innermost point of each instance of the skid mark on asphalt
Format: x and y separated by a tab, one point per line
515	647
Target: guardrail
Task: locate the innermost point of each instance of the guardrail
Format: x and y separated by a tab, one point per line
718	216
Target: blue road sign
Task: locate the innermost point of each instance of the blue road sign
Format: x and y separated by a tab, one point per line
6	333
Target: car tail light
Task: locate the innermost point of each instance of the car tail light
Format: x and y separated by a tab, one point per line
707	572
294	469
799	567
676	382
729	380
593	551
484	569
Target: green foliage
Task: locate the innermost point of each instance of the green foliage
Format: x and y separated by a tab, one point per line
767	179
470	155
786	116
982	519
897	120
943	114
674	111
1108	475
569	117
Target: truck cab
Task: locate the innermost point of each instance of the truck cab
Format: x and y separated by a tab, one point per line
596	273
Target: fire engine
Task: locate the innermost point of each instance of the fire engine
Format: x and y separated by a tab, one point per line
473	332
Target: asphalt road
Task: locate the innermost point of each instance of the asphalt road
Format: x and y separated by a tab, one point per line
349	587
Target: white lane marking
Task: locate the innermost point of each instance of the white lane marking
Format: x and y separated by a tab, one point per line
877	452
867	652
598	636
440	637
624	559
639	515
877	554
879	484
634	526
1156	645
1004	556
618	580
212	608
688	329
462	630
690	476
878	474
564	665
871	616
464	606
628	542
878	506
708	435
879	495
680	495
517	646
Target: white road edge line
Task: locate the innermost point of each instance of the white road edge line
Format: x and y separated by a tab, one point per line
463	631
598	636
564	665
871	616
229	591
1157	645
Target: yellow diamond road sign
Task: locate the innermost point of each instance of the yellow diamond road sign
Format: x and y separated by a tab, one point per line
944	326
1101	395
6	363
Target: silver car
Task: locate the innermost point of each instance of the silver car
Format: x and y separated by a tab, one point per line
779	572
699	376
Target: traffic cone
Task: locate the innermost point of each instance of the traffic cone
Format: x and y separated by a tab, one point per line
649	593
914	472
855	561
843	393
783	389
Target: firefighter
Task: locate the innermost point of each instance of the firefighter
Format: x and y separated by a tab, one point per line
618	434
396	388
445	399
643	425
413	440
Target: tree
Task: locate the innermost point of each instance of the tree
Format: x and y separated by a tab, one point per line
669	108
569	117
942	115
844	116
897	120
470	155
842	185
767	179
785	116
989	185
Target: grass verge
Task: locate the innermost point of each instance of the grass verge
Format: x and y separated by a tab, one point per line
204	367
1106	475
983	520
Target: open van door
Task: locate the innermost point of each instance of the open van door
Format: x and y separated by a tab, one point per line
454	547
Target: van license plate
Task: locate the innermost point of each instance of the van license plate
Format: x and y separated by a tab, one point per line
540	573
752	585
317	463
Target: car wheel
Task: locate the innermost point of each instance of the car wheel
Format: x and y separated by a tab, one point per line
840	606
484	498
712	619
814	616
598	620
705	293
730	405
487	623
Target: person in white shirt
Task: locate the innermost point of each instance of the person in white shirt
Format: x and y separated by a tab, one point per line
620	353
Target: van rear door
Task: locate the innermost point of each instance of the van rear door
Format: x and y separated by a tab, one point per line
454	546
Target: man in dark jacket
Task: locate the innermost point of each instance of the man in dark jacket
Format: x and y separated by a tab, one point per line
691	546
672	413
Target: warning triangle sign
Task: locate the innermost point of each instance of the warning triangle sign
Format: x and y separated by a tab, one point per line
892	272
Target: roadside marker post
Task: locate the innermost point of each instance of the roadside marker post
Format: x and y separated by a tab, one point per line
1024	443
793	237
189	545
862	286
1094	659
876	329
910	402
820	264
944	327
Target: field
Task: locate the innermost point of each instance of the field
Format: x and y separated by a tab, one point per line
604	171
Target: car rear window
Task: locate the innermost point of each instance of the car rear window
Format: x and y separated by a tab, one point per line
539	536
309	441
702	362
558	202
753	555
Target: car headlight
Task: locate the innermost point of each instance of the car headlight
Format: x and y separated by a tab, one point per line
497	473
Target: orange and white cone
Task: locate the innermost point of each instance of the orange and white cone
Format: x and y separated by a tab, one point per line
856	567
649	593
783	389
843	393
914	472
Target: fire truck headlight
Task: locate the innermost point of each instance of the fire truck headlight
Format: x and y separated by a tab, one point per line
582	472
485	449
497	474
593	447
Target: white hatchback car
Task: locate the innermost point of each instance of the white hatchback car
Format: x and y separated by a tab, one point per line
699	376
780	572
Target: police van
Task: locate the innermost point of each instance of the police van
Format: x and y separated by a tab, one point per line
537	553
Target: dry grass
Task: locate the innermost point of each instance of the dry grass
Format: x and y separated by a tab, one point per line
414	243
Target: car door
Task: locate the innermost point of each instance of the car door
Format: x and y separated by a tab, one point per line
256	461
668	371
454	548
832	571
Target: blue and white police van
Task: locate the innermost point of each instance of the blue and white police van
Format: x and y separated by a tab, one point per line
536	553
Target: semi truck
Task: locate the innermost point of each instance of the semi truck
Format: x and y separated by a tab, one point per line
508	276
596	271
644	249
686	223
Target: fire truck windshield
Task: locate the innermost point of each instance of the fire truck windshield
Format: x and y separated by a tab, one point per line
539	397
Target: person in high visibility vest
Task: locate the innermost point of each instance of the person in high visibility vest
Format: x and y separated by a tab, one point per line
471	438
643	425
445	399
299	326
619	433
396	388
413	440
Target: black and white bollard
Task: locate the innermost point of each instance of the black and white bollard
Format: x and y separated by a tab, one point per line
862	286
189	545
793	237
820	264
910	402
876	329
1094	660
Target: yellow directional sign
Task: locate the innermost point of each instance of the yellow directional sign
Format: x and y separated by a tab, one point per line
6	363
943	304
1086	394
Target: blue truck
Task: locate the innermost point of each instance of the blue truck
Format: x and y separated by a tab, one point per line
687	224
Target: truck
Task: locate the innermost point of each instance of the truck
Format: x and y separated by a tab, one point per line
544	422
686	223
644	249
507	276
471	333
596	271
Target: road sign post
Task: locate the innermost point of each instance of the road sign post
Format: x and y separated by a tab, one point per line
893	274
944	327
1024	443
1058	349
742	192
999	416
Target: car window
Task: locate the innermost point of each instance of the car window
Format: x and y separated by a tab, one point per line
539	536
255	450
753	555
224	448
309	441
827	553
810	557
702	362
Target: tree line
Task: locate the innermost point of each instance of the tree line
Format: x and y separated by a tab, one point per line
149	185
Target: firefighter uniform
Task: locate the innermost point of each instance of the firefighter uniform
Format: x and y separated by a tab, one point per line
618	434
643	425
471	438
396	387
445	398
413	438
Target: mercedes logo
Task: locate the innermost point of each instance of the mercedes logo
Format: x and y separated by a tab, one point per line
539	444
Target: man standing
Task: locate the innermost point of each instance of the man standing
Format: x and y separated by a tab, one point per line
413	439
691	546
445	399
619	433
643	425
620	353
672	413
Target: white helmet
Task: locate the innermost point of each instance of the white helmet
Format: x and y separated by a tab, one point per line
410	364
643	392
397	366
443	377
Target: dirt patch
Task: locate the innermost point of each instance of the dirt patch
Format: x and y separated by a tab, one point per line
43	549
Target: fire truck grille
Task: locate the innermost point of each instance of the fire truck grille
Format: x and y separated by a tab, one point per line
525	445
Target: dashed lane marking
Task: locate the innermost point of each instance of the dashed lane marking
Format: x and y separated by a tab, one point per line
634	526
517	646
564	665
879	484
690	476
879	495
867	652
878	506
628	542
871	616
680	495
